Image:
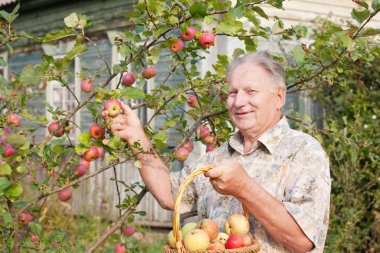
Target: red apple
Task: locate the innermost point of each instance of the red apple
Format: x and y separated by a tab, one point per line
129	231
211	147
87	85
96	131
25	218
113	106
209	139
189	146
91	154
149	72
80	170
188	35
100	151
192	101
182	154
119	248
203	131
207	40
210	227
13	119
234	242
84	163
36	239
64	195
176	46
128	79
55	129
9	150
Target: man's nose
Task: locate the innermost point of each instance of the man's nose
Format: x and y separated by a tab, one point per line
241	99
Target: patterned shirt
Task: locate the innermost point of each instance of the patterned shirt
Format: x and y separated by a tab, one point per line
289	164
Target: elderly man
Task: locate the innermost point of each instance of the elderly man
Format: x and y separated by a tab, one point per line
280	175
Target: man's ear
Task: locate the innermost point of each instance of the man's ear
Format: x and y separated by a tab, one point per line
280	98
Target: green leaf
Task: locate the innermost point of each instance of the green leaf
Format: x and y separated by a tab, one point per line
163	137
228	27
125	51
369	32
375	5
360	16
347	41
299	55
173	20
54	36
76	50
7	217
4	183
29	36
137	164
198	10
80	149
260	11
29	75
5	169
35	227
115	142
14	190
84	139
72	20
132	93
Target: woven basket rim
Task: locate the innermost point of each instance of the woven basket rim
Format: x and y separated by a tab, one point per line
252	249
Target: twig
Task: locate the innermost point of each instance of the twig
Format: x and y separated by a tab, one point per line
122	219
117	189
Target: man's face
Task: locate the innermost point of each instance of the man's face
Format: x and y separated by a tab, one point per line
254	103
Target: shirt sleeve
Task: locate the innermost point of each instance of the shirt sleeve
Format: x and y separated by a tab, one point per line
189	197
307	196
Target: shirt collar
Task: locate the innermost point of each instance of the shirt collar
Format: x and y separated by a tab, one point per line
270	139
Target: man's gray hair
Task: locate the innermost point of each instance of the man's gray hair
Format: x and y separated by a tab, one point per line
274	68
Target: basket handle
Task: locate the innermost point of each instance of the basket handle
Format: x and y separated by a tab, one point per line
176	221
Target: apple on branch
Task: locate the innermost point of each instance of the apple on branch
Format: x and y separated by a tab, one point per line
192	101
13	119
128	79
188	35
87	85
207	40
25	218
119	248
96	131
129	231
9	150
189	146
182	154
149	72
112	106
64	195
55	129
91	154
176	46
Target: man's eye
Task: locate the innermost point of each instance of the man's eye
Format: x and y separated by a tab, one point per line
232	93
251	92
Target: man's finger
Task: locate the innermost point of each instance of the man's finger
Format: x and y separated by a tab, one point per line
213	173
125	108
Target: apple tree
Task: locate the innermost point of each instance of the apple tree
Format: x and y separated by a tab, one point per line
194	109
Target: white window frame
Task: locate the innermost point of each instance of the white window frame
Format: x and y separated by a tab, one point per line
59	51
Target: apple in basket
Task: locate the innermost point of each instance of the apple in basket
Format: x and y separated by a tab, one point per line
236	224
196	239
222	237
188	227
215	245
171	239
210	227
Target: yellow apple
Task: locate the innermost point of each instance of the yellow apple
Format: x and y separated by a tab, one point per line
196	239
171	239
210	227
222	237
236	224
188	227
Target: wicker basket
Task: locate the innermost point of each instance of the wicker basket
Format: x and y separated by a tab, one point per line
176	223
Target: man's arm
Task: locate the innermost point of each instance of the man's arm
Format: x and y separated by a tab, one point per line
154	172
230	178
